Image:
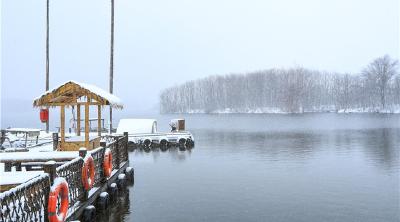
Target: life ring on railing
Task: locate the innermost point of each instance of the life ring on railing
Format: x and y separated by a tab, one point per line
59	187
88	172
107	163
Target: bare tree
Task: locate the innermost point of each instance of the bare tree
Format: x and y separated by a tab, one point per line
291	90
381	71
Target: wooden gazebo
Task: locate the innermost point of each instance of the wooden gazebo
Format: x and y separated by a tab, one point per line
71	94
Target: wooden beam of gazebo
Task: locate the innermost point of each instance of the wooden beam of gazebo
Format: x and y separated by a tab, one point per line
73	93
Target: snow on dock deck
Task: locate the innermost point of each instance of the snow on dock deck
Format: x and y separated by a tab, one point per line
22	130
38	156
18	177
79	138
135	126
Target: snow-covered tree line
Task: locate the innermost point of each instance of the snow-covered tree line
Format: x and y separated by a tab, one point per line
376	88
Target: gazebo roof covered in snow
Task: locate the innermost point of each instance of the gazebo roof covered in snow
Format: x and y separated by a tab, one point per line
71	92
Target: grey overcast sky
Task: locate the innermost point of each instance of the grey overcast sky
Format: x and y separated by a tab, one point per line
161	43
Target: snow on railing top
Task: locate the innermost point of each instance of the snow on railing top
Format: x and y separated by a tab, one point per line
23	185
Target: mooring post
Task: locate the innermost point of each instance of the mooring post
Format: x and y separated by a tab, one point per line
55	141
82	153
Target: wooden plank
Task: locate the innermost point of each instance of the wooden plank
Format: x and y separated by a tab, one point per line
75	103
99	120
87	123
78	123
62	125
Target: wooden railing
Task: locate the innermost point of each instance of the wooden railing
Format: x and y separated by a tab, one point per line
28	201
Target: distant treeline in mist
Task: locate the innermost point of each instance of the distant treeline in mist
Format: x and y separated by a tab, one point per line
375	89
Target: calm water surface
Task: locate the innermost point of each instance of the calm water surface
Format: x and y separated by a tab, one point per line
312	167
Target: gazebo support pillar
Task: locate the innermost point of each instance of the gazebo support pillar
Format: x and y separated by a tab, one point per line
78	119
99	120
87	124
62	129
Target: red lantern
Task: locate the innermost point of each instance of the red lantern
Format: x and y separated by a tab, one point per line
44	115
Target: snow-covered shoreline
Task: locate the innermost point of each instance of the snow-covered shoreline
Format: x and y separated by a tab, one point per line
271	110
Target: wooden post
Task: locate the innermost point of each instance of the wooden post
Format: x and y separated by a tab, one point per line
111	59
3	136
62	125
55	141
26	139
7	166
78	119
103	177
117	153
99	120
49	167
82	153
47	55
87	123
126	157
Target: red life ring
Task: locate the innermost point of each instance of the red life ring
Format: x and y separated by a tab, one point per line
59	187
88	172
107	163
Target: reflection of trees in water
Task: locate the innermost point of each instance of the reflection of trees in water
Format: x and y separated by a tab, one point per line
180	154
380	145
383	146
269	144
118	210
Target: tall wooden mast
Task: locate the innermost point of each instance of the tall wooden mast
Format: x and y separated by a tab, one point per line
47	55
112	58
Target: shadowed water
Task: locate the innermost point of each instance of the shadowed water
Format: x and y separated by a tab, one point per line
313	167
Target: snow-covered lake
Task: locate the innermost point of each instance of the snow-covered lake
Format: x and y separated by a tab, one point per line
311	167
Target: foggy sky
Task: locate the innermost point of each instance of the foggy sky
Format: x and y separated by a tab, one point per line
163	43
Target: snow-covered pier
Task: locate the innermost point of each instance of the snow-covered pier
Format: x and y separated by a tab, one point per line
143	133
76	174
65	177
91	178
